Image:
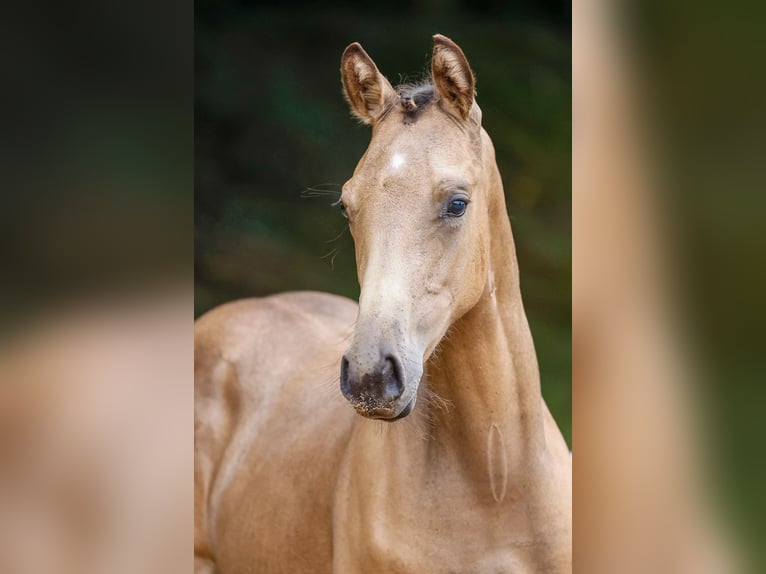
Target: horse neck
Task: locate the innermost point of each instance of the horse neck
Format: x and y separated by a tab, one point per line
486	369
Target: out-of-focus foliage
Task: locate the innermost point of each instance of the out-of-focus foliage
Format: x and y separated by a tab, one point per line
275	141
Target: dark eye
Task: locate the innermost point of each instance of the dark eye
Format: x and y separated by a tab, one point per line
457	207
342	206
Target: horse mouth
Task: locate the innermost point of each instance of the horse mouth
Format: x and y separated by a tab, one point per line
385	413
405	411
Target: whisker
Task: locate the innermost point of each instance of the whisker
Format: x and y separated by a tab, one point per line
339	235
332	254
314	192
329	253
320	191
436	401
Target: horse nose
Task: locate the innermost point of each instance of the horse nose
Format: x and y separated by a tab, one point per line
383	381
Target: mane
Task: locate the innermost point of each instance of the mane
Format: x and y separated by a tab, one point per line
414	98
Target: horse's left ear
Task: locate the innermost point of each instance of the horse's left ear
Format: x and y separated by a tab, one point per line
452	76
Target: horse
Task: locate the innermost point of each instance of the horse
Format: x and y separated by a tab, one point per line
439	454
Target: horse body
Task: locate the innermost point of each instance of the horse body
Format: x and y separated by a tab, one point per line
269	433
476	476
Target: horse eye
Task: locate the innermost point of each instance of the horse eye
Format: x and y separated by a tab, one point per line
457	207
342	207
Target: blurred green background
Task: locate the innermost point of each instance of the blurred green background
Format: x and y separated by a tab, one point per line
272	128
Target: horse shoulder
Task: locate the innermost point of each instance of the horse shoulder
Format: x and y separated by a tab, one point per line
264	372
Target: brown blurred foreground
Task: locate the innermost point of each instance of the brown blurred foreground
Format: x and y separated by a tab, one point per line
96	459
642	494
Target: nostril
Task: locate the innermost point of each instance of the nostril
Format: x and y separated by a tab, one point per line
393	377
345	388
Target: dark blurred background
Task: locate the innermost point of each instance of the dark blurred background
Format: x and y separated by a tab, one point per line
274	141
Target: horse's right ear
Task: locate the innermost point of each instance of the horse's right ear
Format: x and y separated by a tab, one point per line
368	92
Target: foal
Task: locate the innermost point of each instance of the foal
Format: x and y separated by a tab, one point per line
477	477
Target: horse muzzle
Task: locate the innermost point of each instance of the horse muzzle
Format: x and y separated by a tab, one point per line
375	390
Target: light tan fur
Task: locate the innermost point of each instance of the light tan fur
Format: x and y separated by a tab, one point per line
477	478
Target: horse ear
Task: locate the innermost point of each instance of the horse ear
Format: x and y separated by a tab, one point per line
368	92
452	76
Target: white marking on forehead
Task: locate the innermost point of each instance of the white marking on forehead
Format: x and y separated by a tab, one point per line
397	160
